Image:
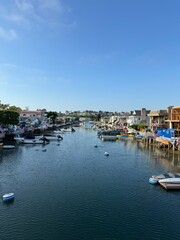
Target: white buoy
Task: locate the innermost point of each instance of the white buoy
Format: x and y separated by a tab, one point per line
106	154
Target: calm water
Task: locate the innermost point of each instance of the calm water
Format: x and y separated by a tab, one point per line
73	191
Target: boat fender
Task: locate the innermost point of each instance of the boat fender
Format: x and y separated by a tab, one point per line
153	181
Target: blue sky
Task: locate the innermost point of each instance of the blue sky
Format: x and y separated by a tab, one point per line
110	55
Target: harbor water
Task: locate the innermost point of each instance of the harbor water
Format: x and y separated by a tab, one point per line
73	191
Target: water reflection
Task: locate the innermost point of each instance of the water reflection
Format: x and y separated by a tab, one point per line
169	159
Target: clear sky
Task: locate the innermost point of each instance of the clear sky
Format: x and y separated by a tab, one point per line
109	55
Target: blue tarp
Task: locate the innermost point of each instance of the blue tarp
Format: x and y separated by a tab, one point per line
165	132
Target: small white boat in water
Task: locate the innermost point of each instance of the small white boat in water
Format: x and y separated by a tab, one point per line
51	137
32	141
170	180
8	147
8	197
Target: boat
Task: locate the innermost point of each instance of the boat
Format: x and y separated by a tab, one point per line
51	137
58	132
8	146
18	139
67	130
64	130
8	197
108	137
170	180
167	175
33	141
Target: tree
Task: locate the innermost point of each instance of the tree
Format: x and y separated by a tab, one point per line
142	125
9	117
15	109
3	106
52	116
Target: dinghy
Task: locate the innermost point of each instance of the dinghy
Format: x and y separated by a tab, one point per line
8	197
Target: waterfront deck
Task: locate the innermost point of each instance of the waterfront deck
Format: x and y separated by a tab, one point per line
172	186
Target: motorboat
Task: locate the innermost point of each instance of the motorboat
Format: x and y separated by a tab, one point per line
64	130
34	141
170	180
8	146
8	197
18	139
167	175
51	137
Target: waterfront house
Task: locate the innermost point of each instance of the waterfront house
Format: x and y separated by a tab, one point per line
173	120
137	116
32	115
119	121
157	119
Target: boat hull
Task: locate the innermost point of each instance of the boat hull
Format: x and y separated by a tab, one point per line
8	197
29	141
170	180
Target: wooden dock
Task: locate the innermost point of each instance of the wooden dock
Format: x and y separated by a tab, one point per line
172	186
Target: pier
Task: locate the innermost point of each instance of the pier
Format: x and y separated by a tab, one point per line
170	186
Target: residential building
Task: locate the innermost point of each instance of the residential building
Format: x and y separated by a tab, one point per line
137	116
157	119
32	115
173	119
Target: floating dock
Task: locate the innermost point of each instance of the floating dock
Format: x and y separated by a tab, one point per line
172	186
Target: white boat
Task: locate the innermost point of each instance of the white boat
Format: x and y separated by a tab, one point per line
108	137
32	141
18	139
51	137
65	130
167	175
8	147
58	132
170	180
8	197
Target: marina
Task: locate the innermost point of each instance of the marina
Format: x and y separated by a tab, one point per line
86	188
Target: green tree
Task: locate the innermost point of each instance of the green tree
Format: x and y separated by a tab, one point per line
142	125
14	109
52	116
9	117
3	106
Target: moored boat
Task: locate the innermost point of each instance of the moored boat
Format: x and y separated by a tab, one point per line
33	141
167	175
8	197
51	137
170	180
8	146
